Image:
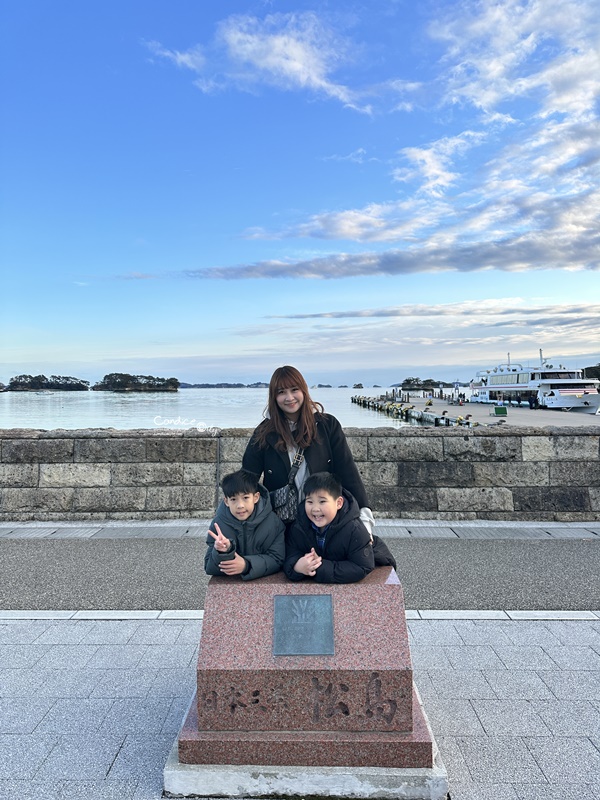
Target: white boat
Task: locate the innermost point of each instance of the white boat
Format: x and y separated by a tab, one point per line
543	386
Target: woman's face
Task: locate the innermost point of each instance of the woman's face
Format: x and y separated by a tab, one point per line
290	401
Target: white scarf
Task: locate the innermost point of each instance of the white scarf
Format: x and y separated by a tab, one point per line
366	515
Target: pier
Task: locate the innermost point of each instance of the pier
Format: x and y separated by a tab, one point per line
449	412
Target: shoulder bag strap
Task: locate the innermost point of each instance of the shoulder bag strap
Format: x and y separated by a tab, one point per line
296	464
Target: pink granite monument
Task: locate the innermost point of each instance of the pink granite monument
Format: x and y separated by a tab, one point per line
306	675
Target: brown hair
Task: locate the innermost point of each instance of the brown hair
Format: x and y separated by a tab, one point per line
306	429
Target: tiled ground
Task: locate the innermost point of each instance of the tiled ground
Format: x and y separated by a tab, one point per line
90	708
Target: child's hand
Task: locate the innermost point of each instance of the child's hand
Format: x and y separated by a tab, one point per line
233	567
222	543
308	564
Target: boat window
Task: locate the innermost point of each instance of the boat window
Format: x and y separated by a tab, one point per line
560	375
580	387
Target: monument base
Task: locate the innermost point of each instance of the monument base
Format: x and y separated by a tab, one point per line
360	780
296	748
217	780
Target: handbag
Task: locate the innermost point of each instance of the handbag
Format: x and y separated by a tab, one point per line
285	499
382	554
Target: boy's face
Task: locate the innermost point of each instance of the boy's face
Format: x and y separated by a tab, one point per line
321	507
242	505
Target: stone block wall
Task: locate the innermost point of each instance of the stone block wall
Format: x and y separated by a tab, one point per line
421	473
107	474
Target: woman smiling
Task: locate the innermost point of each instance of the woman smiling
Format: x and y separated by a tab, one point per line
294	421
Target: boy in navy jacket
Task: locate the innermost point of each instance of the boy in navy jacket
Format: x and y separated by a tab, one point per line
328	542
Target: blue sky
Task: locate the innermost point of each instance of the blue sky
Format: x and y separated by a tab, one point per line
367	190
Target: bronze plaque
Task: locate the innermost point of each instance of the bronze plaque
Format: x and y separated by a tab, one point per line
303	625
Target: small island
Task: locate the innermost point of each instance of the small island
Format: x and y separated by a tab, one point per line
40	383
122	382
418	384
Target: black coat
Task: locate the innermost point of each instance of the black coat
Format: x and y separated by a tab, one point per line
259	539
330	454
347	555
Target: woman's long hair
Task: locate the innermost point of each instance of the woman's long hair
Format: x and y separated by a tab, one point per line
306	429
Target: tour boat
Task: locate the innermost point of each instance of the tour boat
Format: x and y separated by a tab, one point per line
543	386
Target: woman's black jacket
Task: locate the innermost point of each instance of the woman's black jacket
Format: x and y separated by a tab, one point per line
330	453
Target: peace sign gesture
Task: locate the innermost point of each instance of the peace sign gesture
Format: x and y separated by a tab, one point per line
222	543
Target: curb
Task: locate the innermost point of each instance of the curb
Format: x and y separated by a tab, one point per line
191	614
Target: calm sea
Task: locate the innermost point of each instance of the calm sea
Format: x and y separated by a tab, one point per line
188	408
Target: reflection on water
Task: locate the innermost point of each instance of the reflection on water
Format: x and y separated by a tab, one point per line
188	408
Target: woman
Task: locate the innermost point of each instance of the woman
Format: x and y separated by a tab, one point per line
293	420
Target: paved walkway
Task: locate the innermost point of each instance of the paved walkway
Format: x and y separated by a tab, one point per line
91	701
523	417
390	528
442	564
90	707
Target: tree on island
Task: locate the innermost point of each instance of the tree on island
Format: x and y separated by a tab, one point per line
419	383
412	383
122	382
28	383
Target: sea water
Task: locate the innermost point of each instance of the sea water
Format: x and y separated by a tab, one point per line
204	409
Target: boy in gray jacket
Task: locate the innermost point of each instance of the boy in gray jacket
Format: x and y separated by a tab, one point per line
246	537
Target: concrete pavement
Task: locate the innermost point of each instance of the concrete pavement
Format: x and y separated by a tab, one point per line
445	564
91	701
90	707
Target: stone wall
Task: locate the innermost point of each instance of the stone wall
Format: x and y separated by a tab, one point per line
420	473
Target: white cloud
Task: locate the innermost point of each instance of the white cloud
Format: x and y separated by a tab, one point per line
377	222
530	189
404	87
193	58
494	312
138	276
479	331
570	250
571	84
525	197
543	184
358	156
291	52
499	51
404	90
433	162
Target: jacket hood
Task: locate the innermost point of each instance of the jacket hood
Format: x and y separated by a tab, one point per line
350	510
261	511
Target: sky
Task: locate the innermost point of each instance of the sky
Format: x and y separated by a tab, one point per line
366	190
